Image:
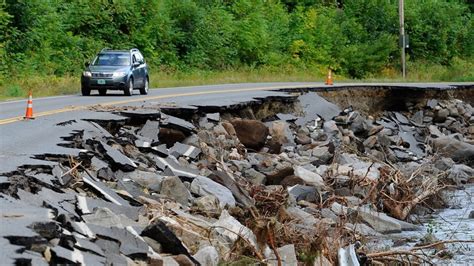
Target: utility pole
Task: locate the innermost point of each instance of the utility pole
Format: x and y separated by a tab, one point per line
402	34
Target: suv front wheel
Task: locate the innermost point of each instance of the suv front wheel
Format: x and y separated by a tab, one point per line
85	91
129	91
144	90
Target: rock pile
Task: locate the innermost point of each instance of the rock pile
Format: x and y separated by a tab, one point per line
288	188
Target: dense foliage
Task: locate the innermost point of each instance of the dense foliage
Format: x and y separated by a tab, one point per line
357	38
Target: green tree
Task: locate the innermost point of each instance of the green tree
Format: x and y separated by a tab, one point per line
438	30
252	36
4	21
214	39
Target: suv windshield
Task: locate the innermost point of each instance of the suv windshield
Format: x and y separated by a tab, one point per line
111	59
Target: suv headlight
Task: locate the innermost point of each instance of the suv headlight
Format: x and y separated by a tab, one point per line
87	74
119	74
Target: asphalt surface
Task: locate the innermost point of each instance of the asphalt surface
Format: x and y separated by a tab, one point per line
21	140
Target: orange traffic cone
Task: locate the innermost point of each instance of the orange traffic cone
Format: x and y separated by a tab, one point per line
29	107
329	78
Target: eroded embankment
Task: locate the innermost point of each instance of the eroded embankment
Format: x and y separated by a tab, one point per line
283	179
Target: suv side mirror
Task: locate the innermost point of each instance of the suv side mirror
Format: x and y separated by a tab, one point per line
87	63
135	64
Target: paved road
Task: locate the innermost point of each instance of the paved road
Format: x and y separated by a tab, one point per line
21	140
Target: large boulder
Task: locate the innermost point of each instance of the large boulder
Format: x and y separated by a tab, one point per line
457	150
173	188
252	133
440	115
207	204
310	178
149	180
460	173
281	133
207	256
381	222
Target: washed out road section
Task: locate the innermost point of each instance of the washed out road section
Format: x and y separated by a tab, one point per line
12	111
21	140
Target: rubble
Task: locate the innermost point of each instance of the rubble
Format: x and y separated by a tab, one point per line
204	186
209	185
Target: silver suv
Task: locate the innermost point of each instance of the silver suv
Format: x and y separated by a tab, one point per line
116	70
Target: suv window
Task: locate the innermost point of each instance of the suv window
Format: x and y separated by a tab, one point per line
140	58
112	59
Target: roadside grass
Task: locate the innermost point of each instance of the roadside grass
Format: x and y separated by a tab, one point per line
247	75
18	87
39	85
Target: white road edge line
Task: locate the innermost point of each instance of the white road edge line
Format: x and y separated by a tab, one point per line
36	99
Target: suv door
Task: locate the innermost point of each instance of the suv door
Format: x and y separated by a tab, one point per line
137	71
142	68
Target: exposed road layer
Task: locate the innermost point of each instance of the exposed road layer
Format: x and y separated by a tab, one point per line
11	111
144	98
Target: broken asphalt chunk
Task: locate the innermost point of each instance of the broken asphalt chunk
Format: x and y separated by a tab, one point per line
174	167
66	256
83	229
117	159
94	131
150	131
17	219
413	144
86	205
240	194
130	244
86	245
179	149
161	150
214	117
141	114
314	106
286	117
400	118
168	240
105	191
61	203
97	164
178	123
203	186
107	218
61	175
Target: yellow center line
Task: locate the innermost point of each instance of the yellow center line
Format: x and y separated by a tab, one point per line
77	108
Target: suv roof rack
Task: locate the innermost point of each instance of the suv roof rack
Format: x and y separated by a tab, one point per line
106	49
